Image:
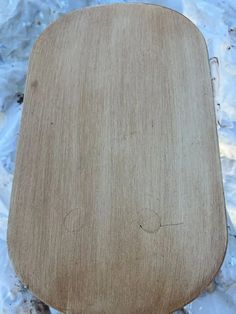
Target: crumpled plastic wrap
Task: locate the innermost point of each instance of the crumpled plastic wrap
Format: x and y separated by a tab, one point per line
21	22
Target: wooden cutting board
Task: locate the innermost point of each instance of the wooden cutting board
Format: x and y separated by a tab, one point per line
117	203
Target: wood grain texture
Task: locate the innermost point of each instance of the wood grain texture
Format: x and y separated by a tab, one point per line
117	203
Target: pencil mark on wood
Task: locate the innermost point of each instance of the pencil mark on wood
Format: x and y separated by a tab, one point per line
149	221
172	224
73	221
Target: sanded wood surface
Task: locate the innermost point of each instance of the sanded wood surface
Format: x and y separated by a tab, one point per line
117	203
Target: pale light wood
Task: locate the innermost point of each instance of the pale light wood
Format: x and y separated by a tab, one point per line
117	203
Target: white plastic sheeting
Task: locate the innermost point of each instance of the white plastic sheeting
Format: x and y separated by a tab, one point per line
21	22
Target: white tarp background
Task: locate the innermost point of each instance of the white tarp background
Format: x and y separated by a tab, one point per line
21	22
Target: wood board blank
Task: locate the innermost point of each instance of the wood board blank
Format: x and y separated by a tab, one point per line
117	203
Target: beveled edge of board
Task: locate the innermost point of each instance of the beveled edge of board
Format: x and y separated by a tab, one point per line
42	37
